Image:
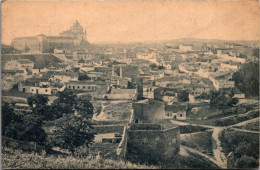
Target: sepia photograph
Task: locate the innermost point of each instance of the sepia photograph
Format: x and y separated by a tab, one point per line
130	84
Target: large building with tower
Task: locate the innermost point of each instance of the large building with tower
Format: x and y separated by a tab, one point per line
73	37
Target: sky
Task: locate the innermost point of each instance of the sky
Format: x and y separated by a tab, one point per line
136	21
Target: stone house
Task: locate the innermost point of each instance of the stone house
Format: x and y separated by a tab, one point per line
148	110
176	111
86	85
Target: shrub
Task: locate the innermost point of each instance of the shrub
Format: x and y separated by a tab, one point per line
16	159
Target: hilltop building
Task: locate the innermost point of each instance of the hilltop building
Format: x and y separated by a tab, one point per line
47	44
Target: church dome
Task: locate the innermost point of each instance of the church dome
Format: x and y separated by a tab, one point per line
76	28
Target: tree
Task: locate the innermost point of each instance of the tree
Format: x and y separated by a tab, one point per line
256	52
38	100
247	79
153	65
161	67
222	99
8	116
64	104
68	103
247	162
84	107
183	96
83	77
40	107
22	127
73	132
203	96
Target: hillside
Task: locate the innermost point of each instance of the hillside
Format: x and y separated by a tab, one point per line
40	60
17	159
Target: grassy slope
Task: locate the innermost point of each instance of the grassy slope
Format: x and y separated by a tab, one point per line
19	159
40	60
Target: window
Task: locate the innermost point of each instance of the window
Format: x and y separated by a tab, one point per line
32	89
89	87
83	87
78	87
180	115
46	90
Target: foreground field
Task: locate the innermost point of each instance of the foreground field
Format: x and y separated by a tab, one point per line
17	159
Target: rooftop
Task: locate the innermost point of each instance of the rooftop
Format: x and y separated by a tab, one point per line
12	71
25	61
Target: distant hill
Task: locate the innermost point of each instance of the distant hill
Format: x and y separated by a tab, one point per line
174	41
40	60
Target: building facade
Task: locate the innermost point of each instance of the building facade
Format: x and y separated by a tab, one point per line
47	44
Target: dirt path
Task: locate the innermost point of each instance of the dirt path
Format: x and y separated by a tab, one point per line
192	124
219	155
185	149
101	115
245	122
247	131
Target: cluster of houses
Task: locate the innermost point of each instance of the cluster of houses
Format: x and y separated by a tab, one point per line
114	74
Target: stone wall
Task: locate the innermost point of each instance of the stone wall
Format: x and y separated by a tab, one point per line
122	147
148	111
152	146
108	128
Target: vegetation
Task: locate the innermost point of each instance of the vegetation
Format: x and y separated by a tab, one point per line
231	120
17	159
67	103
75	127
200	141
254	126
244	146
40	107
117	111
222	99
161	67
183	96
247	79
154	66
256	52
26	127
83	77
73	132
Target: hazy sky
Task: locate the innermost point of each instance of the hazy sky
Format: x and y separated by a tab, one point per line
116	21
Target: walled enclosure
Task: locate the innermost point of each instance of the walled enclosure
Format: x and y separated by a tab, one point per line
149	143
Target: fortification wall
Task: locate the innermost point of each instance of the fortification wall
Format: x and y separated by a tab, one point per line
108	128
152	146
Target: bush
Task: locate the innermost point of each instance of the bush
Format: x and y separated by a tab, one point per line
16	159
245	147
74	132
247	79
247	162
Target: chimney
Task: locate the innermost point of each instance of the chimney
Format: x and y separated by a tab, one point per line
121	71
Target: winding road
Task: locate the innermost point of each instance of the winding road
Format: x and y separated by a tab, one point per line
219	156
